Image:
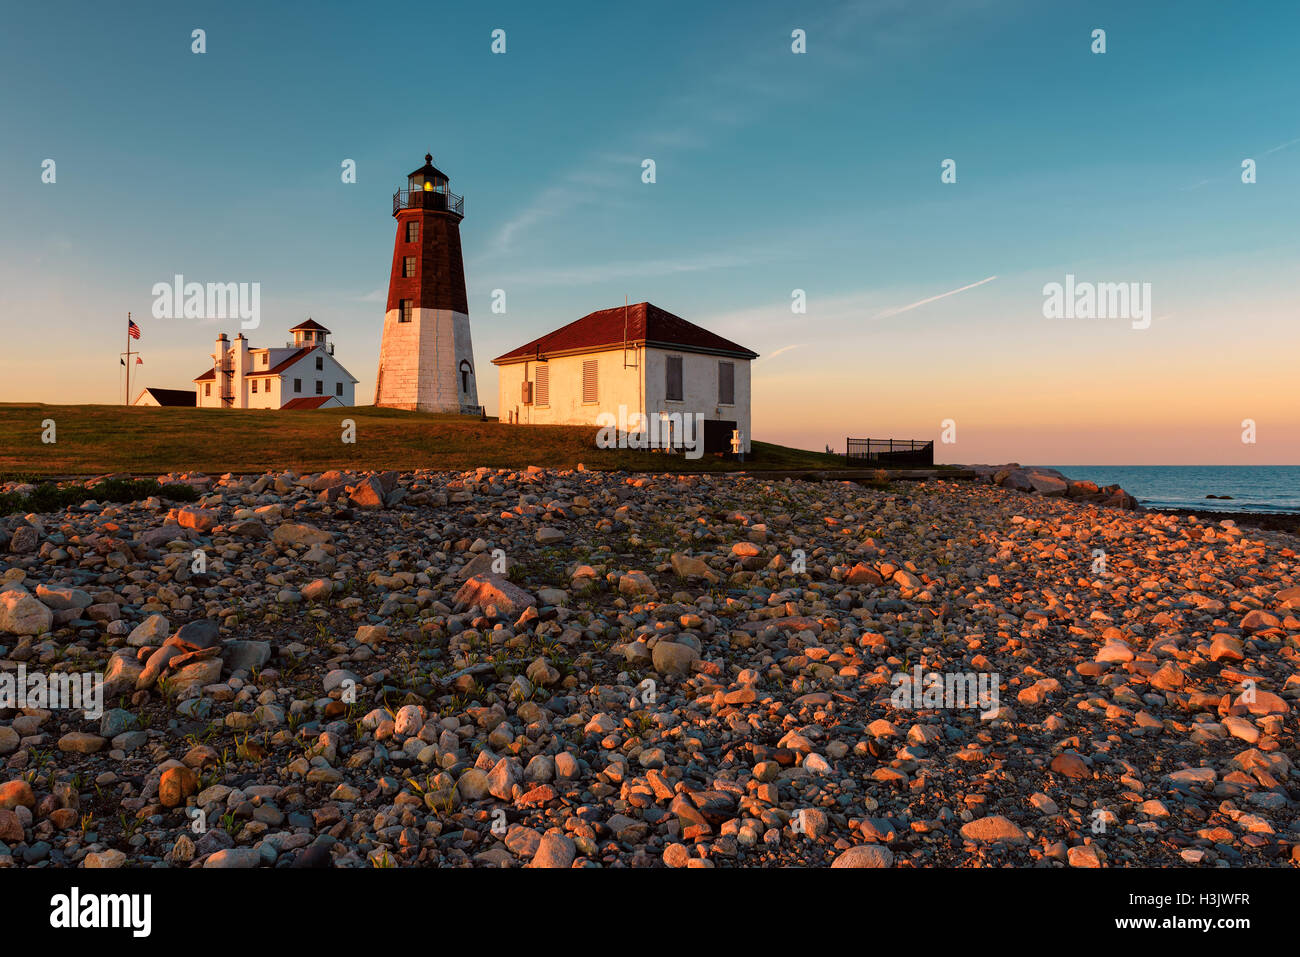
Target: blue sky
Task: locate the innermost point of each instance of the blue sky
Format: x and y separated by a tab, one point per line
775	171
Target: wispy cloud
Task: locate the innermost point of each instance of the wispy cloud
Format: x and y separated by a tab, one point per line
628	269
734	97
783	349
922	302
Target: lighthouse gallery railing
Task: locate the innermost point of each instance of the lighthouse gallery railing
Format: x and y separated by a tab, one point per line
429	199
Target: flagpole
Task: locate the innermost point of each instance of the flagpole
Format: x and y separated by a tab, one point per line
128	359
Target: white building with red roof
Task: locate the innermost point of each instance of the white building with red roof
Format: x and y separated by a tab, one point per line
303	374
638	360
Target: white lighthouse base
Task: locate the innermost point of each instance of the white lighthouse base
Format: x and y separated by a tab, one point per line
427	364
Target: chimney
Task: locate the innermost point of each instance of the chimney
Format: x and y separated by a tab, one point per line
241	365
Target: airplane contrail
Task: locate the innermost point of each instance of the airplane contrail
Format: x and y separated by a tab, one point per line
922	302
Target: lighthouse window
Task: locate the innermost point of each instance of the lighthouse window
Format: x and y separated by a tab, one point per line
254	386
412	231
726	383
207	388
408	267
320	387
590	390
320	363
338	388
297	385
405	314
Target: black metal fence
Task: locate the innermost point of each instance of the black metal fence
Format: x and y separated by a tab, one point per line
890	453
437	199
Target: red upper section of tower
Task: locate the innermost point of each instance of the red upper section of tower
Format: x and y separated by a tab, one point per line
428	268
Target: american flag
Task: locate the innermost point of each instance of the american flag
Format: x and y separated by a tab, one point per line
132	329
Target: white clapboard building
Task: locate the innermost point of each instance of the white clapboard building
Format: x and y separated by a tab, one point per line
303	374
630	362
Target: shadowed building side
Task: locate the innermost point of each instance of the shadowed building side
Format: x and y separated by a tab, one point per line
426	360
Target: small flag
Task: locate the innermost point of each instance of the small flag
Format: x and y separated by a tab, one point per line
139	361
123	361
132	329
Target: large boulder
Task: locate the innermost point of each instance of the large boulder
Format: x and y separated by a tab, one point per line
296	534
152	631
483	564
673	659
196	635
688	566
1045	483
123	671
63	597
489	589
865	855
368	493
199	519
21	613
246	655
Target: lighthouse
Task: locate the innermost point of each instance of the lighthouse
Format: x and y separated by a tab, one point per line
426	360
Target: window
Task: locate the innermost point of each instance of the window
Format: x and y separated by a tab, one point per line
266	358
320	363
412	230
404	310
590	391
338	388
207	388
320	387
268	385
297	385
254	387
726	383
408	267
542	388
673	386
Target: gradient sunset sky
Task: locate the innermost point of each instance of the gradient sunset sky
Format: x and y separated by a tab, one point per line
775	172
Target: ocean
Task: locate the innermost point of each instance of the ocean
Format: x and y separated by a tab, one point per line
1254	488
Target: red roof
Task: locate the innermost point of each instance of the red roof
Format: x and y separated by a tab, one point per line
307	402
646	324
258	373
309	324
281	366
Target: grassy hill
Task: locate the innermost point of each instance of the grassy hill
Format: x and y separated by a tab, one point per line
98	439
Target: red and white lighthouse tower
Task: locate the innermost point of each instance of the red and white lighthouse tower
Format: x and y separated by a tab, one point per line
426	360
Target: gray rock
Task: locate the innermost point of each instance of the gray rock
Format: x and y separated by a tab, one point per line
241	655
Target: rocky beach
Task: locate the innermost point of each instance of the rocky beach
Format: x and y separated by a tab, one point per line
568	668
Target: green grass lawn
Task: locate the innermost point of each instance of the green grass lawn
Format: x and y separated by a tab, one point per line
99	439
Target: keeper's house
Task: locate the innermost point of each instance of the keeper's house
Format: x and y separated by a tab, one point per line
302	375
639	359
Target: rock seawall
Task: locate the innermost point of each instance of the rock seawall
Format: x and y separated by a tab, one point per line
1051	483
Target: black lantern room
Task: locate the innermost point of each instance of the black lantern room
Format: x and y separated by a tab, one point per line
428	177
426	188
